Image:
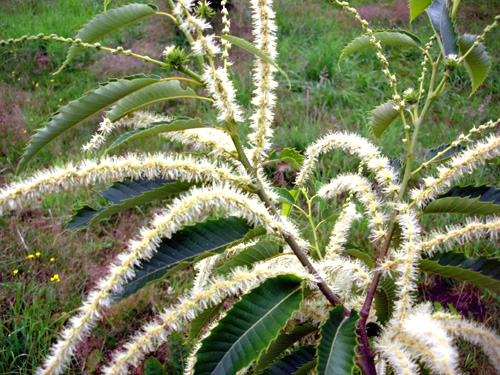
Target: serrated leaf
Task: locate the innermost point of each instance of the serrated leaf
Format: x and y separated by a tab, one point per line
337	348
125	195
79	110
382	117
385	38
203	319
158	92
252	233
447	155
107	22
307	368
417	7
474	200
249	326
178	123
481	271
443	27
249	47
260	251
284	341
477	62
291	363
385	297
211	236
292	156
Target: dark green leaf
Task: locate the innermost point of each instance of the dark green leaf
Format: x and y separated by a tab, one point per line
79	110
291	363
125	195
178	123
358	254
481	271
260	251
307	368
107	22
249	327
154	367
417	7
252	233
443	27
158	92
337	348
447	155
474	200
385	297
203	319
249	47
382	117
477	62
281	343
391	38
211	236
292	156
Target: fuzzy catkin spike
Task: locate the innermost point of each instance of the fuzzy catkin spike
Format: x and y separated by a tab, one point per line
399	359
340	231
111	169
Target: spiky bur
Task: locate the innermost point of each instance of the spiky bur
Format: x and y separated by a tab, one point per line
190	209
264	98
111	169
378	164
461	164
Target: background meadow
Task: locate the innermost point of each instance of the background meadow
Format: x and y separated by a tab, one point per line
325	96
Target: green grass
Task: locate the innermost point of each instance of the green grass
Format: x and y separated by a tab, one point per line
325	96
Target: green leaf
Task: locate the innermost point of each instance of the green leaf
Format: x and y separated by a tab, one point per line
474	200
211	236
477	62
481	271
107	22
307	368
417	7
79	110
382	117
252	233
291	363
385	297
390	38
249	47
447	155
337	348
154	367
292	156
260	251
284	341
287	198
358	254
203	319
249	327
178	123
125	195
159	92
443	27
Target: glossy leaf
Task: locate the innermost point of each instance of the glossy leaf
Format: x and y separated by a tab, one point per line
443	27
417	7
482	272
203	319
260	251
291	363
107	22
284	341
446	156
307	368
178	123
337	348
249	47
382	117
158	92
125	195
79	110
249	327
385	297
474	200
477	62
390	38
192	242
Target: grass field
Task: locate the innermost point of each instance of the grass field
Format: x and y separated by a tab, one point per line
324	96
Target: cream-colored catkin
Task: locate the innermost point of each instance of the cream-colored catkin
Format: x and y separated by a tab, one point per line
357	145
340	231
397	357
264	98
212	140
111	169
